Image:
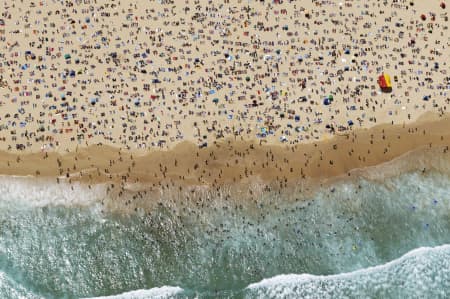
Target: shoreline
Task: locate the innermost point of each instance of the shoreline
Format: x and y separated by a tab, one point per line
126	183
234	161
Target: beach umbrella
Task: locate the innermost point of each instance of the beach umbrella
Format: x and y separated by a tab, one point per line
216	100
326	101
426	98
350	123
67	56
423	17
384	81
156	81
212	91
297	118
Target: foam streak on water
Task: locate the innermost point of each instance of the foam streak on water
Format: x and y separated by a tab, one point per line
56	242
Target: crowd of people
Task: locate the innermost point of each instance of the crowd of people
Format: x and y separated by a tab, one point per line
150	74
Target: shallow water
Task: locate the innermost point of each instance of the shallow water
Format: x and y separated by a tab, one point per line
58	243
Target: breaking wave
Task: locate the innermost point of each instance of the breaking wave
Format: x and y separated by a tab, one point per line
421	273
59	241
157	293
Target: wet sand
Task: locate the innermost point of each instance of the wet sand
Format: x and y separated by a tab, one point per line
234	161
204	94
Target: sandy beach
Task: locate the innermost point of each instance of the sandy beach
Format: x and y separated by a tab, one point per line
202	93
142	77
236	162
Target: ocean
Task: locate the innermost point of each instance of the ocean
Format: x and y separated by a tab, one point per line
359	238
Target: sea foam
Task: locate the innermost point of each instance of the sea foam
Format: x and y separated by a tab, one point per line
39	192
157	293
423	270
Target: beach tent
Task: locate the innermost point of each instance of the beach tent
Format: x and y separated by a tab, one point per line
384	81
328	100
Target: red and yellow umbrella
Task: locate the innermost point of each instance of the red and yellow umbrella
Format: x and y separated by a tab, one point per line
385	82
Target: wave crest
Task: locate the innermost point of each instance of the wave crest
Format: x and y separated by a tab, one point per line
159	293
422	272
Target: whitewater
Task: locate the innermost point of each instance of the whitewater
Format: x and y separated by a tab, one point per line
360	238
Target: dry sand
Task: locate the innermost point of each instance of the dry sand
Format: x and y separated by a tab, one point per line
245	54
109	119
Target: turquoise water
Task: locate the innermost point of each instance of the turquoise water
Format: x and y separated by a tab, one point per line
353	239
